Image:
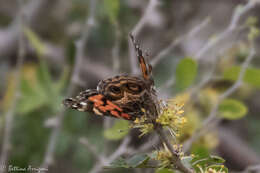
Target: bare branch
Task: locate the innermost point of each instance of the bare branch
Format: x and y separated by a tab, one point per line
6	146
163	53
147	18
239	153
116	48
120	150
90	20
175	156
238	13
33	12
92	149
146	146
251	169
213	113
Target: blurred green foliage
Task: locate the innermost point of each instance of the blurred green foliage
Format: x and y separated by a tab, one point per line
119	130
251	76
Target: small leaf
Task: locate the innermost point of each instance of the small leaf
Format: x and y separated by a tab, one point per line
251	76
112	9
216	159
186	72
204	162
137	161
187	161
164	170
118	131
251	21
220	168
253	33
118	163
232	109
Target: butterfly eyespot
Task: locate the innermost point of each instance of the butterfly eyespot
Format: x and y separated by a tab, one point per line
115	89
134	87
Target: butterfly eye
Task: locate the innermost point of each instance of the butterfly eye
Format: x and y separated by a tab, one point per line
115	89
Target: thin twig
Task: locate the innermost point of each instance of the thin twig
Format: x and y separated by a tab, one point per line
9	117
116	48
209	75
237	14
33	12
251	169
175	156
166	51
213	113
92	149
239	153
120	150
90	22
149	11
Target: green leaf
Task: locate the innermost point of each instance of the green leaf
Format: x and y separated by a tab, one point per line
204	162
253	33
219	168
232	109
44	78
187	161
251	21
201	151
33	97
118	163
43	71
251	75
35	41
112	9
137	161
118	131
186	73
61	83
164	170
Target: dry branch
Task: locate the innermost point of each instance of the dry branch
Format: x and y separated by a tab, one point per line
229	31
90	20
34	12
213	113
9	117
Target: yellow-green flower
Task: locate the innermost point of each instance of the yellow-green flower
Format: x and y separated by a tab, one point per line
171	116
143	125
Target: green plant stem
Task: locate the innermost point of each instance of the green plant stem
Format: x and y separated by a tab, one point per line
175	157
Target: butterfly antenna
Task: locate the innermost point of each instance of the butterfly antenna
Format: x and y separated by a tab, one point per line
146	69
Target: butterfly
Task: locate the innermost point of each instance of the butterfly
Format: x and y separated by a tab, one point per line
122	96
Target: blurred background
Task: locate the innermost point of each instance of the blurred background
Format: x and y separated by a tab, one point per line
52	49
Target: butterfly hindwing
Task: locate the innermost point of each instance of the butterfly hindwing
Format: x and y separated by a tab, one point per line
92	101
81	102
